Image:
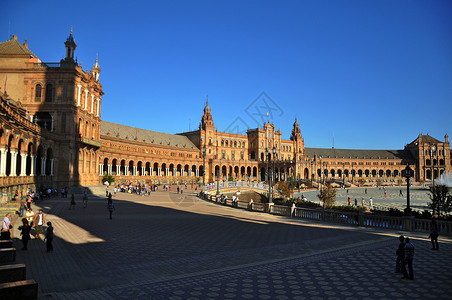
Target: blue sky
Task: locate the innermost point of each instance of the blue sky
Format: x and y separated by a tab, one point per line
364	74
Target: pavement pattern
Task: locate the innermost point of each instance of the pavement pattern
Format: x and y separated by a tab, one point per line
171	246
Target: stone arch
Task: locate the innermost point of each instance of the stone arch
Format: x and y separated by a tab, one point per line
396	173
388	173
374	173
130	167
333	172
122	168
193	170
242	172
254	172
179	170
49	161
360	173
140	168
105	167
248	172
380	173
147	169
263	175
367	173
155	169
114	166
306	173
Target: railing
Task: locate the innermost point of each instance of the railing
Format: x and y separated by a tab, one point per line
349	218
46	65
232	184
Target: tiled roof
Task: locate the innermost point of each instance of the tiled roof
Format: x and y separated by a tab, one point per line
150	137
14	47
357	153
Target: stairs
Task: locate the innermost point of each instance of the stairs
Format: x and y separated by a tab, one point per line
13	282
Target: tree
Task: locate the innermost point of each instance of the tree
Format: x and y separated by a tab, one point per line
284	188
109	178
441	200
327	196
361	181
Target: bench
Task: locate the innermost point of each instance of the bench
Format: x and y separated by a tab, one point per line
7	255
6	244
23	290
10	273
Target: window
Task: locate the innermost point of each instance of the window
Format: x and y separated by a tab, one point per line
223	154
49	91
233	155
242	156
38	93
222	142
63	122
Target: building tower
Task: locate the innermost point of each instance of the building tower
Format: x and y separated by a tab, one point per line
70	47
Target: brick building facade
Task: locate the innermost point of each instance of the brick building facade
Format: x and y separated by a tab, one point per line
52	135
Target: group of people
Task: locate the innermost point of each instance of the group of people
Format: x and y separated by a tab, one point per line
405	252
28	222
363	202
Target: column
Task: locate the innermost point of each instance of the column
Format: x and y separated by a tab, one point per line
33	166
182	172
110	169
92	103
86	100
167	171
13	163
52	127
159	171
197	172
134	170
3	161
174	171
143	171
51	166
189	173
98	106
151	171
79	94
23	164
101	169
126	171
43	165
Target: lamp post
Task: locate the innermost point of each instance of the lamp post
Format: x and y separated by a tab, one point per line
432	148
218	179
268	178
408	175
343	175
203	166
274	158
321	171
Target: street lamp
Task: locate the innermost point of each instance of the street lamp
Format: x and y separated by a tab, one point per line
343	175
204	166
274	158
321	171
268	178
432	148
218	181
408	175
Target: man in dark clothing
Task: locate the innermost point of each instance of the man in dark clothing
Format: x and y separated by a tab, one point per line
400	254
409	255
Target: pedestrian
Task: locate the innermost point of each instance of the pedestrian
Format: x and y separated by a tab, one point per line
349	201
434	233
22	209
365	191
109	200
49	237
29	202
371	203
85	201
38	223
25	232
356	203
409	255
385	194
400	193
111	209
362	202
6	227
400	254
29	214
347	191
72	206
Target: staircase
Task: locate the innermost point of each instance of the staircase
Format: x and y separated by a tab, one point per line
13	282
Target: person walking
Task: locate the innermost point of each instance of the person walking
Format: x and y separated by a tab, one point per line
409	255
49	237
6	227
349	201
85	201
371	203
25	232
38	223
111	209
356	202
29	201
400	254
434	233
72	206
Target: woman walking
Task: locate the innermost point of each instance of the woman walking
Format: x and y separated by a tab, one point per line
25	232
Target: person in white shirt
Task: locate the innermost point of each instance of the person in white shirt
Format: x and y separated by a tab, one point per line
6	226
38	223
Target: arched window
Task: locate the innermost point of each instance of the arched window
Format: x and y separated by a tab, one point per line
49	91
38	93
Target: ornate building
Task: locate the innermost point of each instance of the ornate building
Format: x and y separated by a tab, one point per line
52	134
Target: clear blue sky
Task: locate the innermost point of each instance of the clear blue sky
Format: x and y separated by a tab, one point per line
371	74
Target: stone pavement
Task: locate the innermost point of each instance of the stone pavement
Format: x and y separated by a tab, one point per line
168	246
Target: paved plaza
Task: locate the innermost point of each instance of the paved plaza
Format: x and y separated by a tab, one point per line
165	246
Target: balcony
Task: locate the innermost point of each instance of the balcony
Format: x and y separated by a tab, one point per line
90	142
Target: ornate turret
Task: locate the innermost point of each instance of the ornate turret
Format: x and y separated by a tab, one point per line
446	137
96	69
70	47
206	117
296	132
